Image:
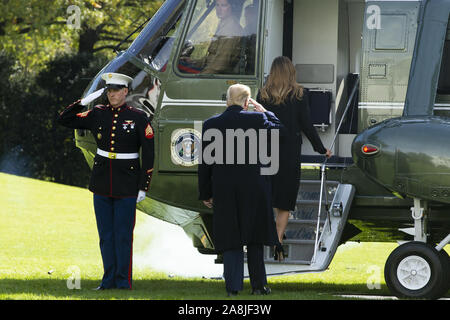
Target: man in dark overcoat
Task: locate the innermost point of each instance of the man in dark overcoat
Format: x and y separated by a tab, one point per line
238	192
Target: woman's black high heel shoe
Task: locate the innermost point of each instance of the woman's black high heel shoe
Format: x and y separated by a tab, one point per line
278	252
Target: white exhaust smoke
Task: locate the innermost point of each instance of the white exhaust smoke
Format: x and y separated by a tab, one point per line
165	247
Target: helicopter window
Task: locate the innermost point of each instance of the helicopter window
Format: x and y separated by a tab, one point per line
442	100
444	75
221	38
393	34
154	44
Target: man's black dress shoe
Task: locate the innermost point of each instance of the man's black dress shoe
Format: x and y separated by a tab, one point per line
232	293
263	291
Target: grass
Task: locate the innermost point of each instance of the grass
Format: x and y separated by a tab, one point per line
48	233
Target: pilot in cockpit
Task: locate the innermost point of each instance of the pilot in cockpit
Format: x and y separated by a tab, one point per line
224	50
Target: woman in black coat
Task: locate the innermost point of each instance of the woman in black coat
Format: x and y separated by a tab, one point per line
289	102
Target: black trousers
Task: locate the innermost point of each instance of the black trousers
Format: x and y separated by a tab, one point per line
233	267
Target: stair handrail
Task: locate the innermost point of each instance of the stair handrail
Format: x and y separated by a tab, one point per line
322	184
323	176
349	102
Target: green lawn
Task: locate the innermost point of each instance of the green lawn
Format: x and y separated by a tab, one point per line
48	232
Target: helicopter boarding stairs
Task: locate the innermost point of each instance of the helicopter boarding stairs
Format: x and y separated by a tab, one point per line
314	231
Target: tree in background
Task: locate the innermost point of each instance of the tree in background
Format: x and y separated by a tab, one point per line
37	31
12	98
32	143
47	60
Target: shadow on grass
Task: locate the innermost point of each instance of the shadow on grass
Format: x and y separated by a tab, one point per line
175	289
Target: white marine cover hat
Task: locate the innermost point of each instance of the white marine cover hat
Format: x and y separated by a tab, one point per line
116	80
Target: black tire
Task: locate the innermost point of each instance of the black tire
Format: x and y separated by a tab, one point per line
429	281
446	262
446	257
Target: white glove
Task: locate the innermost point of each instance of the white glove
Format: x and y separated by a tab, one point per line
141	196
94	95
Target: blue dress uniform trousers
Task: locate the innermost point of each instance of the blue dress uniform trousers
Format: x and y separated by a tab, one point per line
115	223
233	268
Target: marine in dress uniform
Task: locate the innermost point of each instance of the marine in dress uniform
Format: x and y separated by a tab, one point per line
118	181
240	196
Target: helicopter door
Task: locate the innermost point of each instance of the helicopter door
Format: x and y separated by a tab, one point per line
389	36
218	48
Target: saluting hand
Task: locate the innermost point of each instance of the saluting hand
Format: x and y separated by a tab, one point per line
258	106
91	97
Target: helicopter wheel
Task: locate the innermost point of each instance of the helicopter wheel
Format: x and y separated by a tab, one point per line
417	270
446	258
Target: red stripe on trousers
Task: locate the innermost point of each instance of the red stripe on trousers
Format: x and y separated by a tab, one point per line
130	267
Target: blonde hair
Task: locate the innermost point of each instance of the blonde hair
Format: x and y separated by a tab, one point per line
281	82
237	94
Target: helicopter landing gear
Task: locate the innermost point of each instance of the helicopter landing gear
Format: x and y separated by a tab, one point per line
418	269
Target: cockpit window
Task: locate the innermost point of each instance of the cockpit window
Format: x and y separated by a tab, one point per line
442	100
154	44
221	38
444	76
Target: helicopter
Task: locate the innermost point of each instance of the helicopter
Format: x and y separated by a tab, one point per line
378	75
